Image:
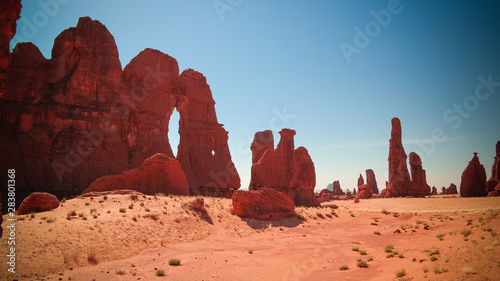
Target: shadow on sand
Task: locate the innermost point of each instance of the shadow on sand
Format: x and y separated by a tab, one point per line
261	224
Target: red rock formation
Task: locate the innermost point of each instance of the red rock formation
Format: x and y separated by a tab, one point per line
434	191
443	190
399	178
354	191
473	179
383	193
9	13
263	204
495	171
158	174
452	189
361	181
495	192
38	202
284	169
419	186
364	192
336	188
69	120
370	179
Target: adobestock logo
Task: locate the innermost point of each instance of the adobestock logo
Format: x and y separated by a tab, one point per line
363	37
221	7
29	28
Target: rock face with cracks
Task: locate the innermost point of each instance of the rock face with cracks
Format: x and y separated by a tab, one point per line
263	204
337	190
73	118
158	174
38	202
419	187
10	11
473	179
284	169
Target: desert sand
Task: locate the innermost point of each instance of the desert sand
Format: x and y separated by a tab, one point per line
102	242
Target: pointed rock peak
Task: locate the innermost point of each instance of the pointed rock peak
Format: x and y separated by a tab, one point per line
415	159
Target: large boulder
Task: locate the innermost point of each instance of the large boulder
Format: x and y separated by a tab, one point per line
158	174
263	204
38	202
473	179
364	191
71	119
284	169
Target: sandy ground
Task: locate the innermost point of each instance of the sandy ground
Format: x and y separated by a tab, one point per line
103	243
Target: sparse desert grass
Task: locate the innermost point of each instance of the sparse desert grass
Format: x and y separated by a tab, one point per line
92	257
344	267
434	258
141	204
301	217
320	215
401	273
466	232
401	256
389	248
134	219
362	264
120	272
376	232
131	206
122	210
373	223
70	214
355	249
440	236
174	262
334	213
329	215
352	214
160	272
385	212
370	259
250	252
425	269
81	215
389	255
151	216
362	252
87	203
493	234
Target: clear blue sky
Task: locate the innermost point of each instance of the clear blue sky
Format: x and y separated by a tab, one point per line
263	57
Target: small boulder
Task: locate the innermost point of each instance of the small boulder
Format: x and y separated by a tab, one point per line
364	191
263	204
198	205
38	202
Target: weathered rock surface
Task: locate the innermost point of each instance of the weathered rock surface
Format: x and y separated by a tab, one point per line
434	191
399	178
198	205
158	174
38	202
372	181
284	169
68	120
473	179
364	192
361	181
495	171
452	189
263	204
419	187
337	190
10	11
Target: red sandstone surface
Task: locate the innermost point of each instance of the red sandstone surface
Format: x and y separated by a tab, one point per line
38	202
262	204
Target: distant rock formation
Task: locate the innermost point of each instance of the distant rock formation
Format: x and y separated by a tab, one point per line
38	202
473	179
452	189
263	204
443	190
10	11
370	179
361	181
364	192
284	169
399	177
157	174
68	120
434	191
495	171
336	188
419	187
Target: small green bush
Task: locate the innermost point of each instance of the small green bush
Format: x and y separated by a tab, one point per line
401	273
174	262
344	267
160	272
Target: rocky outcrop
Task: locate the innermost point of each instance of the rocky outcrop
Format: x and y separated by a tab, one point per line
372	181
10	11
419	186
452	189
399	178
78	116
495	171
263	204
361	181
364	192
443	190
434	191
473	179
284	169
198	205
158	174
337	190
38	202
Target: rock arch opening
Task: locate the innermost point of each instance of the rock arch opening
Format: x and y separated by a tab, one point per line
173	131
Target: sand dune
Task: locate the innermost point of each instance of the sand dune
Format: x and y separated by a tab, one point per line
103	242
